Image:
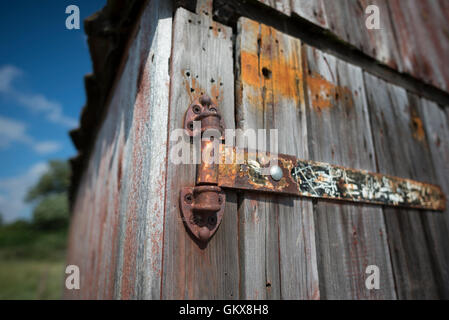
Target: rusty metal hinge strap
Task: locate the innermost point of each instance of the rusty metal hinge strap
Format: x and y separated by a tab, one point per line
202	206
322	180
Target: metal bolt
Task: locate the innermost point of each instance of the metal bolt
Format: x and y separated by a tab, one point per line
205	100
196	109
212	220
188	198
276	173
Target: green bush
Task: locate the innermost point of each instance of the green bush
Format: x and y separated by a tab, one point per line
55	180
52	212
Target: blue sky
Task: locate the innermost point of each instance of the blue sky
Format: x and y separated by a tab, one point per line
42	65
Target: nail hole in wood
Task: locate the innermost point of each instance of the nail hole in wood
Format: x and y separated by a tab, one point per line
266	73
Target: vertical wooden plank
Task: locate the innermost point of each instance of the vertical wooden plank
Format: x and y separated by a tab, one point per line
258	228
280	5
418	48
149	267
423	44
349	237
201	62
140	254
436	123
277	246
347	20
116	230
313	11
417	239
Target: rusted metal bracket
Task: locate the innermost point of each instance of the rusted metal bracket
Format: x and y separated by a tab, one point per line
202	206
314	179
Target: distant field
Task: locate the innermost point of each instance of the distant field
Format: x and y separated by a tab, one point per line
32	262
31	279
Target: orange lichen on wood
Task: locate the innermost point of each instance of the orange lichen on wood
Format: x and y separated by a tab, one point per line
417	127
270	65
194	89
273	70
323	94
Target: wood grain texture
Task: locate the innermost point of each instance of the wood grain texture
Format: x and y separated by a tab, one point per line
436	124
277	245
423	44
418	48
347	19
116	228
127	235
313	11
417	239
349	237
201	63
435	120
280	5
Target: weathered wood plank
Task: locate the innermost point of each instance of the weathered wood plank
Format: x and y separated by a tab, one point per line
418	48
436	123
201	63
423	44
349	237
116	230
347	20
277	246
313	11
417	240
258	225
280	5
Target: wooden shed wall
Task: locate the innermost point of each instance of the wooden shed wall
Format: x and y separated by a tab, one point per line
414	35
127	234
117	221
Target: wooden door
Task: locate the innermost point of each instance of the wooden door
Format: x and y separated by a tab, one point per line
127	233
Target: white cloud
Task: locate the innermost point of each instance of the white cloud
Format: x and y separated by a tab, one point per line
35	102
47	147
7	75
13	190
12	131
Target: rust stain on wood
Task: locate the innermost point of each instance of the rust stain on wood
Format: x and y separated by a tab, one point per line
141	115
325	94
272	66
417	127
194	90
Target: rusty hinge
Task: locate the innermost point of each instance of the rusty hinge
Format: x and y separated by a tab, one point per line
202	206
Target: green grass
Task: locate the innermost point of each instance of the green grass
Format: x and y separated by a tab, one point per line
32	262
24	242
30	279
